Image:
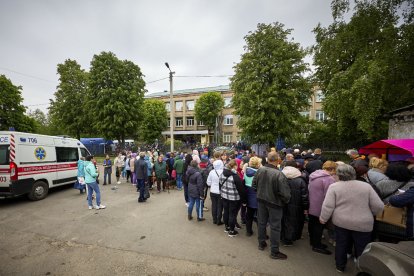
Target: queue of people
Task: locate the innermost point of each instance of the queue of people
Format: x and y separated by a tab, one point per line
284	194
283	191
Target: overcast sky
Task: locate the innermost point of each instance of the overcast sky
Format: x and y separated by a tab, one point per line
195	37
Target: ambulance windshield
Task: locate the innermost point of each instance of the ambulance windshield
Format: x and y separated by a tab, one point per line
4	154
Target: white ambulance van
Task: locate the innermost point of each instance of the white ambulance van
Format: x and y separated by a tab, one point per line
31	164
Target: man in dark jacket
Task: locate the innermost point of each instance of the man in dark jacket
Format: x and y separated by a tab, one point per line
195	190
141	173
273	193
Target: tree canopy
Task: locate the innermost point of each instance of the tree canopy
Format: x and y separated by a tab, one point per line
12	111
269	85
153	121
208	108
68	108
365	67
115	96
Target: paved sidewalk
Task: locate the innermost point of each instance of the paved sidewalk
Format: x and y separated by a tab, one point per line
60	236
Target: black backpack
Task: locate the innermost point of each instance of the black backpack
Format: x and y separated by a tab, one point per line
205	172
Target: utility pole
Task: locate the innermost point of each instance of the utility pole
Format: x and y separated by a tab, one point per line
171	108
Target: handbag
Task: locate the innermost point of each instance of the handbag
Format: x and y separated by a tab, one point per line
393	215
79	186
174	174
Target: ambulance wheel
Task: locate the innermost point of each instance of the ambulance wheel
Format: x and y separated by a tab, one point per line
39	190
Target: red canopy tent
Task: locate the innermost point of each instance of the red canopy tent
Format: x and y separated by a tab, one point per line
395	150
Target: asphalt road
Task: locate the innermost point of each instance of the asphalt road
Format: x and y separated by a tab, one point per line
60	236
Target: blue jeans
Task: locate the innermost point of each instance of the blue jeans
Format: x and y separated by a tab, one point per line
141	187
93	187
179	180
107	174
199	208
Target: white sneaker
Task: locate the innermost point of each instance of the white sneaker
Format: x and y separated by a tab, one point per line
101	207
90	207
119	182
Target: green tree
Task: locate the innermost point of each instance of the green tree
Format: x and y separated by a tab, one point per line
115	97
208	108
41	120
365	66
12	111
153	121
68	108
269	84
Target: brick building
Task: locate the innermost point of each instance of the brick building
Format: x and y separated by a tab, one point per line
187	128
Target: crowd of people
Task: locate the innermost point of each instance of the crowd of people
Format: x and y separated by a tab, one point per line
281	190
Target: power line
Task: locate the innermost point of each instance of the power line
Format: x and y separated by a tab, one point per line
205	76
157	80
26	75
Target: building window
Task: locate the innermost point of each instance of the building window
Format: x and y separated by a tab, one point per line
168	107
179	106
227	101
169	122
228	120
305	114
190	121
227	137
200	123
179	122
319	96
190	105
320	115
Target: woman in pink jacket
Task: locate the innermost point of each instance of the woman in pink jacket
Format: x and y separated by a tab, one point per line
319	182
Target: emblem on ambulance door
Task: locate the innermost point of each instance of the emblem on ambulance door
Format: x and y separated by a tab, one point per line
40	153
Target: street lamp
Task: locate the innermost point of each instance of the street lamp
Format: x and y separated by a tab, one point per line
171	108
